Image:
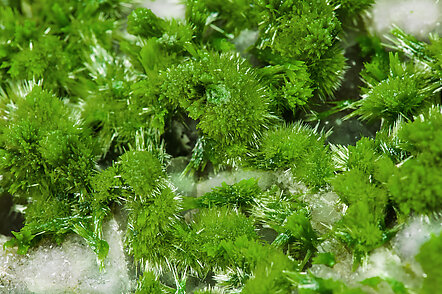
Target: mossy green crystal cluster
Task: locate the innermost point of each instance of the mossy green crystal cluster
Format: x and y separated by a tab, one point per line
92	92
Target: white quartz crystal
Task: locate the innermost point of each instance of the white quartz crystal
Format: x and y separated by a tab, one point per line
68	268
416	17
166	8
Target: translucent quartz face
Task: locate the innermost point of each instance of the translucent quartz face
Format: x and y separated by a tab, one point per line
51	268
166	8
416	17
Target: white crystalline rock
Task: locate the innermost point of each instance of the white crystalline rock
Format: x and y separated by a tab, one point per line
288	181
395	260
382	262
326	209
166	8
416	17
185	184
230	178
385	263
342	270
245	39
416	232
68	268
